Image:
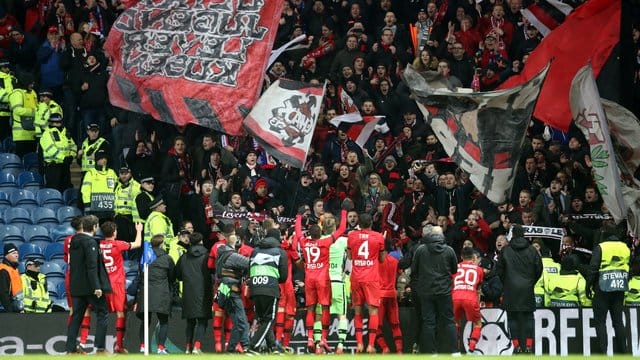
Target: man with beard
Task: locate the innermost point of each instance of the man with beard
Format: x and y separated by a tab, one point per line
551	203
346	56
528	178
391	176
336	150
461	64
450	195
416	207
304	193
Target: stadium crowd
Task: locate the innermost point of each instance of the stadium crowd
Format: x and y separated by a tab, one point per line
202	196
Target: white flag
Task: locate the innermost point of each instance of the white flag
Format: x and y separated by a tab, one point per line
589	117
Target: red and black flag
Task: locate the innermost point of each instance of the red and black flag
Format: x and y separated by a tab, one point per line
284	118
192	61
482	132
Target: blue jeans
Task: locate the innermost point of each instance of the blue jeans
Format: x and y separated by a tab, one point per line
235	309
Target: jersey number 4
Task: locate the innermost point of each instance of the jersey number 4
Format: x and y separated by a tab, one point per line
363	250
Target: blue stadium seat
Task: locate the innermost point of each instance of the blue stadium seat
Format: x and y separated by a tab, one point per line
4	199
30	251
67	213
7	181
36	233
44	216
62	291
53	286
70	196
59	232
10	160
52	269
9	233
54	251
42	244
30	161
21	267
22	197
48	196
60	261
30	179
17	215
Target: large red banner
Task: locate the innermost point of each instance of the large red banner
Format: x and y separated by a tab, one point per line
192	61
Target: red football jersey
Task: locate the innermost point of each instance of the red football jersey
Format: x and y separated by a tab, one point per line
213	254
388	272
112	256
365	246
316	257
467	280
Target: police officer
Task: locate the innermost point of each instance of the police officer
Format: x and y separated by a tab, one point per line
550	269
126	192
268	269
90	146
6	88
46	107
34	286
144	199
230	268
609	280
566	289
11	295
159	224
23	102
98	189
58	151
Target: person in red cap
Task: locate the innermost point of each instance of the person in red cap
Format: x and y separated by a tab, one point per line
48	59
261	199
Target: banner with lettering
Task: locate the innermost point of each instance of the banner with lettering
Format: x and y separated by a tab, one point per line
557	332
543	232
245	215
195	61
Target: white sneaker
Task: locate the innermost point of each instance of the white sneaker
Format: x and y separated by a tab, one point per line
162	352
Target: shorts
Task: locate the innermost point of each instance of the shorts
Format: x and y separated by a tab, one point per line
365	292
317	292
470	308
287	301
117	299
389	311
338	298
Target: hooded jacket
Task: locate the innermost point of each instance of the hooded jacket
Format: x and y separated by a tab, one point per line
519	267
433	264
268	268
88	272
197	289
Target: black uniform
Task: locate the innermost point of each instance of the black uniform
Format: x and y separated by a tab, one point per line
268	269
519	267
433	265
197	291
230	268
87	275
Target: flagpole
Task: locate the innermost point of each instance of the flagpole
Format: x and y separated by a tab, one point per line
146	307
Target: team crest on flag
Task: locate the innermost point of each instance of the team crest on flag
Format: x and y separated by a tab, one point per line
482	132
193	61
284	118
